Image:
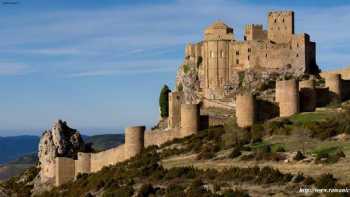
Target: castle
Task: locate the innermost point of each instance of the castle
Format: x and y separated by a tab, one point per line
220	55
217	57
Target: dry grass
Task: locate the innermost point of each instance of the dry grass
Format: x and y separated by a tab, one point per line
340	170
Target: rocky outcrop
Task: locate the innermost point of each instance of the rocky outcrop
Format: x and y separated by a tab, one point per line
187	80
59	141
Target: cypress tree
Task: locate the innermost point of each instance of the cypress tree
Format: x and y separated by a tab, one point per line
164	101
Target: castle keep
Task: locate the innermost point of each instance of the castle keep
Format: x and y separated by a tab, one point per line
220	54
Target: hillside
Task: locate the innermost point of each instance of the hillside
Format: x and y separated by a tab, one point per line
273	158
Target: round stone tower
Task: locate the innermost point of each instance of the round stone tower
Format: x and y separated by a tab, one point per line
83	164
134	140
333	82
245	110
307	95
288	97
189	119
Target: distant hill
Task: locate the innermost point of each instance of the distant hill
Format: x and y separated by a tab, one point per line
17	166
106	141
13	147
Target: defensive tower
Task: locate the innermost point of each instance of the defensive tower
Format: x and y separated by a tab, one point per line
287	92
134	140
189	119
245	110
334	83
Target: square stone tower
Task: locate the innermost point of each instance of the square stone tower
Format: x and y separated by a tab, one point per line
280	26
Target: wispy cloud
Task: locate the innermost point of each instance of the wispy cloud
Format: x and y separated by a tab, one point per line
94	39
11	68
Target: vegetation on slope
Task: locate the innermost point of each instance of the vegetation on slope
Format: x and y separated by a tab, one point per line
146	174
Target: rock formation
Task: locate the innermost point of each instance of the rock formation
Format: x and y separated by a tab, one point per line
60	141
187	80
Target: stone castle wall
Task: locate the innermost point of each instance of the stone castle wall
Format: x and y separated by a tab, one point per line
135	140
292	97
308	97
108	157
334	83
83	163
175	100
160	137
65	170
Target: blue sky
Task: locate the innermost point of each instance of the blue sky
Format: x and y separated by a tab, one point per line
99	64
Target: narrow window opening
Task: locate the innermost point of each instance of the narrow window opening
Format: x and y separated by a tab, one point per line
237	61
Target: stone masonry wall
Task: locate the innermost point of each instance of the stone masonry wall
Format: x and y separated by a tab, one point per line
65	170
160	137
108	157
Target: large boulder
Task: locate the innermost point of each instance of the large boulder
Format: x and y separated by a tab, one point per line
59	141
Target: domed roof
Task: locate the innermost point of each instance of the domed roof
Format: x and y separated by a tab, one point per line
219	25
218	31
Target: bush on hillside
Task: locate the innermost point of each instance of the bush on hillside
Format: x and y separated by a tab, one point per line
325	181
298	156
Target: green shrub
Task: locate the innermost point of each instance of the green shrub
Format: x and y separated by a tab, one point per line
175	190
257	132
308	181
235	193
325	181
146	190
236	152
340	154
299	156
180	87
186	68
125	191
164	101
280	149
196	189
208	151
298	178
180	172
